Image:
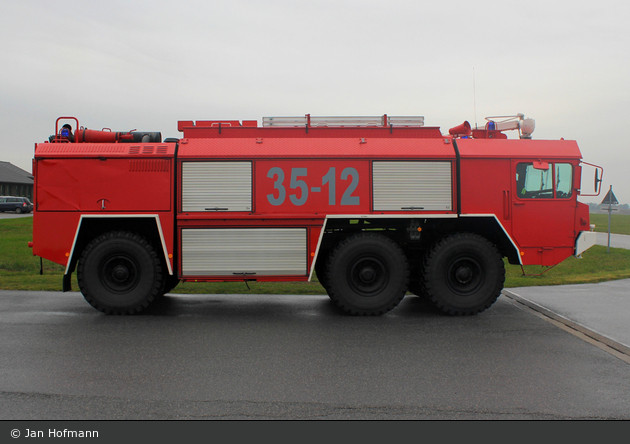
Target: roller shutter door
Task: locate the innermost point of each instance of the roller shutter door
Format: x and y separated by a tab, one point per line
411	186
216	186
244	251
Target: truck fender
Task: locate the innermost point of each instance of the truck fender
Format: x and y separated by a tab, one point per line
85	220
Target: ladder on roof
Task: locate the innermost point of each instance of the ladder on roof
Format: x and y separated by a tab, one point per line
344	121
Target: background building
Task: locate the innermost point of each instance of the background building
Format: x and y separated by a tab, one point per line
14	181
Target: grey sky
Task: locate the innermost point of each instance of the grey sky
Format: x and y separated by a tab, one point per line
147	64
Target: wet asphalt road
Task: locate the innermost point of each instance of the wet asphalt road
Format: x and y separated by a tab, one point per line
296	357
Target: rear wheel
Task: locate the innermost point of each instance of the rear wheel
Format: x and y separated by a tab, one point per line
463	274
367	274
120	273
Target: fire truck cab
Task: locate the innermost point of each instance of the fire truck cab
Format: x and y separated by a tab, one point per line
373	206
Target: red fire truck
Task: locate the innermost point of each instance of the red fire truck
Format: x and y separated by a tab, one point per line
374	207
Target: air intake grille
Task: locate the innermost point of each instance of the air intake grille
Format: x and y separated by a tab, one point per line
149	166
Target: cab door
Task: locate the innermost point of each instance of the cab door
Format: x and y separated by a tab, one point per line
543	207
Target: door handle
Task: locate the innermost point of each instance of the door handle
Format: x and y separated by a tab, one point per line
506	205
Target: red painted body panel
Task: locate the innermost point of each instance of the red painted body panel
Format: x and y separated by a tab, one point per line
519	149
200	131
105	180
311	147
53	235
483	187
110	184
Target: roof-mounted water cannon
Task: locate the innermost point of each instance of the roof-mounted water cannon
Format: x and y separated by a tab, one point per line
518	122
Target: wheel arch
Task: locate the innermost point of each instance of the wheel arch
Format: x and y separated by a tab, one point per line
92	226
337	227
490	227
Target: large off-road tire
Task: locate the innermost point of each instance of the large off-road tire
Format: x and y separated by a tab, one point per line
463	274
120	273
367	274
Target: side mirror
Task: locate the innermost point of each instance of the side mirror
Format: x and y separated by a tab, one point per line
598	180
599	177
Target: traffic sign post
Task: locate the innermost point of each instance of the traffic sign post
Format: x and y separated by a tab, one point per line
611	200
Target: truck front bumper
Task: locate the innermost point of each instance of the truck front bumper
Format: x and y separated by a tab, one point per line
585	240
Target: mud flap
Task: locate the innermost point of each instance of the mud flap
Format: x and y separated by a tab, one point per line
67	282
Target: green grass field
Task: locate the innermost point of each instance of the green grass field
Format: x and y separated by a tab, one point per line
20	270
619	223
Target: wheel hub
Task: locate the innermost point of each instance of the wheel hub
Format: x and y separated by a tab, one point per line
120	273
464	274
367	274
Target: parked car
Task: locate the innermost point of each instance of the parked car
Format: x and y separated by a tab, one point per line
17	204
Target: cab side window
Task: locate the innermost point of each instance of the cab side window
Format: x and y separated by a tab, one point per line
564	180
533	183
542	180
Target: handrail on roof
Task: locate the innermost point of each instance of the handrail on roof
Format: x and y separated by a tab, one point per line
344	121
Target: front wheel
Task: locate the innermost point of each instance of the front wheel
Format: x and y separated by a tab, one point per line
463	274
120	273
367	274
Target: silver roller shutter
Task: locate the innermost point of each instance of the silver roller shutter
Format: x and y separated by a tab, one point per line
244	251
216	186
412	186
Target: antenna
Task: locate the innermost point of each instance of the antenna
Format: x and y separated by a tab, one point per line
475	98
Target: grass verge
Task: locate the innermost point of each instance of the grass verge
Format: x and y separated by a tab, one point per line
619	223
